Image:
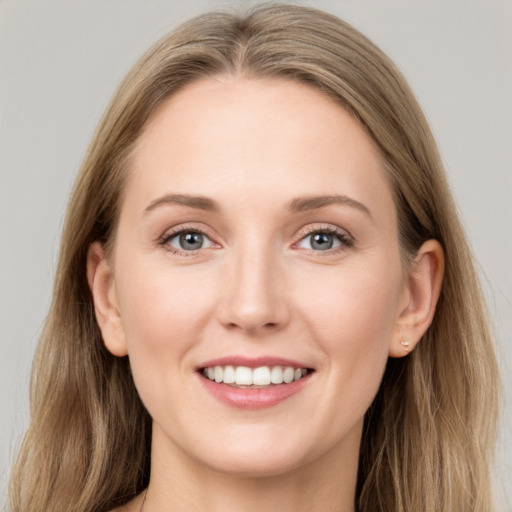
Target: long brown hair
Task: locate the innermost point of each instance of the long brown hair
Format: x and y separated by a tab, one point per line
428	437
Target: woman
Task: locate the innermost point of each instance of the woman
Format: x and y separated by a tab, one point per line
264	296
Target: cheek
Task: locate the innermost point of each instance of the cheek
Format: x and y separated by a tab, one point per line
353	308
353	320
355	337
162	310
163	314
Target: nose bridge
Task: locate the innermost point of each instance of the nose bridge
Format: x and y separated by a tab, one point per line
256	298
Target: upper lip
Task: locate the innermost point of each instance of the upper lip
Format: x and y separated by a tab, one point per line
251	362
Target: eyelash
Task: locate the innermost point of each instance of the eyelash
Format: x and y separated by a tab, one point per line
169	235
345	240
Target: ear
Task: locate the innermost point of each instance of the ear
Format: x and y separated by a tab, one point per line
100	277
421	293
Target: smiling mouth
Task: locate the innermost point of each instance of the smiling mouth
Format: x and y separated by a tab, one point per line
254	378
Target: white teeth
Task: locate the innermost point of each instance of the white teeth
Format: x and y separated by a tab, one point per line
229	375
276	375
243	376
219	373
288	374
261	376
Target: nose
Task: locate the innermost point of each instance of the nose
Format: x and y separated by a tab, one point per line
254	299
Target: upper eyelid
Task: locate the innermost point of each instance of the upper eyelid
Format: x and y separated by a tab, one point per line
318	228
176	230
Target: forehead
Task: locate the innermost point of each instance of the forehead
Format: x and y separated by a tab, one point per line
266	138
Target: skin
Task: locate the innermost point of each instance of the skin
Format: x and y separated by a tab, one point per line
258	287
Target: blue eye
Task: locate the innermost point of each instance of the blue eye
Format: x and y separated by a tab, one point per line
323	241
189	241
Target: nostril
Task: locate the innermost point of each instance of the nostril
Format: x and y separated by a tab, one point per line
269	326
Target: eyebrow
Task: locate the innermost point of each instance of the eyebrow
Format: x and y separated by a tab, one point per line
301	204
297	205
199	202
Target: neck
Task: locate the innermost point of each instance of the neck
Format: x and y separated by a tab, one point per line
181	484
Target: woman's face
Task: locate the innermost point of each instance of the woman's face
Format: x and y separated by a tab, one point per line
257	230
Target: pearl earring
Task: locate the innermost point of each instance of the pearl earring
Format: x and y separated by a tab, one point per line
405	344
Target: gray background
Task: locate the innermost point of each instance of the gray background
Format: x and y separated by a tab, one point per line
59	65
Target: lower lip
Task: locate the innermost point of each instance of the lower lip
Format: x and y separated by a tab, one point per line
252	398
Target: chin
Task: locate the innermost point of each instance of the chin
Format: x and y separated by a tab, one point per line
253	457
262	466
